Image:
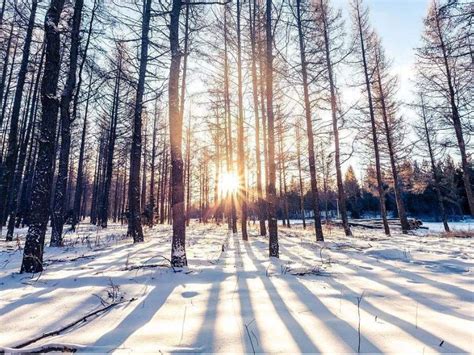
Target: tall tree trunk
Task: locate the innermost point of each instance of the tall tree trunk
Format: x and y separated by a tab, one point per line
391	152
230	167
153	166
434	169
134	221
33	251
253	38
5	70
456	120
178	244
271	191
144	164
80	166
341	195
104	203
300	178
14	200
309	128
8	166
164	184
383	211
59	204
188	171
241	193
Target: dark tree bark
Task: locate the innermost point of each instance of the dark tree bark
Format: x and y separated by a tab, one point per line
59	204
33	251
134	222
5	67
178	244
8	165
14	200
271	191
112	136
80	166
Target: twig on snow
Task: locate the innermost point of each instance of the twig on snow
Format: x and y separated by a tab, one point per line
359	301
250	338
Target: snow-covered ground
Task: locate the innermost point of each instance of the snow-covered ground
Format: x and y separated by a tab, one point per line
455	226
415	293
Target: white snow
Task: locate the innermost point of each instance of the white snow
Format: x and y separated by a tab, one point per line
416	293
467	225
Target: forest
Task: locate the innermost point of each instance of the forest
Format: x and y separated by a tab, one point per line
185	175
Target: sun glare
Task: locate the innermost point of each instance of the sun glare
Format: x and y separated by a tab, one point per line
228	183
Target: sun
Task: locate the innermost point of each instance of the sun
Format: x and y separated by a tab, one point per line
228	183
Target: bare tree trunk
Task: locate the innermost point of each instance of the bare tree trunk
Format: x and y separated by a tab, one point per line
80	167
33	251
59	204
164	185
309	129
341	195
271	191
393	164
153	166
241	193
456	121
253	38
375	142
300	178
14	195
188	171
5	70
230	167
109	163
178	245
434	169
134	221
8	166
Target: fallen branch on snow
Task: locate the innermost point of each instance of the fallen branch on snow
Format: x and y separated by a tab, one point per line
72	324
143	266
45	348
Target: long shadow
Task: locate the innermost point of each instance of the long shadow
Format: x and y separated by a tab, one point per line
398	322
338	326
300	336
205	338
459	293
143	312
421	298
208	327
111	251
454	290
245	300
427	338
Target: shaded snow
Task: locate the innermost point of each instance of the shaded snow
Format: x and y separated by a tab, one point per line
416	291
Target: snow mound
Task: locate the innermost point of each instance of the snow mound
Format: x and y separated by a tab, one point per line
389	254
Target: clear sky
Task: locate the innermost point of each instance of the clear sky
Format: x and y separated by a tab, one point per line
400	24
